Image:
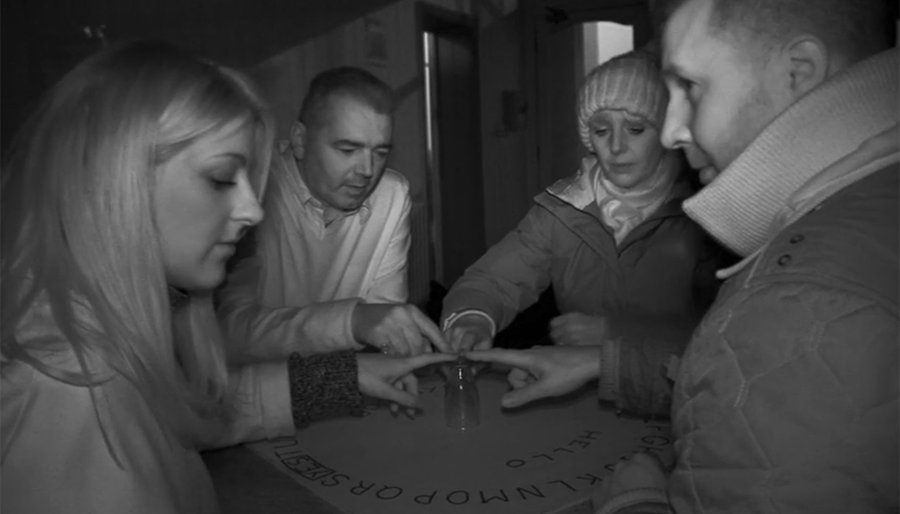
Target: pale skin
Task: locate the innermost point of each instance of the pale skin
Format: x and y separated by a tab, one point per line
391	378
344	156
204	204
723	91
542	371
626	145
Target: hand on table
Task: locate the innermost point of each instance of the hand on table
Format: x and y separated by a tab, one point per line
543	371
469	332
641	471
396	328
577	329
391	378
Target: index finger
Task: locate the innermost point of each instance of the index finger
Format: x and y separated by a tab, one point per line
431	331
514	358
424	359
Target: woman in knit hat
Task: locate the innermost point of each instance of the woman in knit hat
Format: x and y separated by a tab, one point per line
611	240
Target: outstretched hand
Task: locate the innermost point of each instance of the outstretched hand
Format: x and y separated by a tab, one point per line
397	329
543	371
391	378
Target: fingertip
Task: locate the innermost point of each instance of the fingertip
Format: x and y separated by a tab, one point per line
483	345
509	402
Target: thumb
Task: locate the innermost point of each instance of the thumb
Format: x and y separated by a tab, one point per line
521	396
387	392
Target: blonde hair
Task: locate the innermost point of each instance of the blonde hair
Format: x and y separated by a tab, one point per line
79	231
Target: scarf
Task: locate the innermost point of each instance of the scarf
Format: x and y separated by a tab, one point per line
833	121
624	209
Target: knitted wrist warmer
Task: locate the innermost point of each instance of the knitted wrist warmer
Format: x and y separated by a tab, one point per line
323	386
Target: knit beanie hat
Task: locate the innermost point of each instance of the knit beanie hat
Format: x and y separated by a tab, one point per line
631	82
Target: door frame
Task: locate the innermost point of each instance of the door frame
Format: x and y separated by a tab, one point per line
544	17
437	19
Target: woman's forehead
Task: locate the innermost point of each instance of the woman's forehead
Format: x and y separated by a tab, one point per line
609	115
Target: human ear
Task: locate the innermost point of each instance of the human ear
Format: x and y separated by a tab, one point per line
808	64
298	139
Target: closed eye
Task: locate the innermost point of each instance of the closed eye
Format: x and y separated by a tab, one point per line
690	87
222	184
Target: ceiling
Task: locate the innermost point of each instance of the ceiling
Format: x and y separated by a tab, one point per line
241	32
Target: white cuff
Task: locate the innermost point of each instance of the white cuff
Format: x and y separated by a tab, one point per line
456	315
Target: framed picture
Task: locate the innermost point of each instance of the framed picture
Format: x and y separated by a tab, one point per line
375	42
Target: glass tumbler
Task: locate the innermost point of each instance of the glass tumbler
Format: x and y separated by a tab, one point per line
461	402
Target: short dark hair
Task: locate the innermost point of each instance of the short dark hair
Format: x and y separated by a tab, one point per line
345	81
852	28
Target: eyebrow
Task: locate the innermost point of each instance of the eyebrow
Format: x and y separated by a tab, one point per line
239	157
357	144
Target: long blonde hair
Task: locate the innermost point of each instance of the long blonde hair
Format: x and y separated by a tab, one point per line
79	232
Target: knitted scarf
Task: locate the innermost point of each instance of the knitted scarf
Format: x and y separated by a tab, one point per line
834	120
624	209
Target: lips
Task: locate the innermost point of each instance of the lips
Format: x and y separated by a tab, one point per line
708	174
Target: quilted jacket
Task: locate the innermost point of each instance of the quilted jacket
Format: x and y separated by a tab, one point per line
787	399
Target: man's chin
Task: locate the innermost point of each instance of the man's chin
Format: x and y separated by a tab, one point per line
351	204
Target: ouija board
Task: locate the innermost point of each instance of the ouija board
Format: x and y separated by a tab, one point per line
546	457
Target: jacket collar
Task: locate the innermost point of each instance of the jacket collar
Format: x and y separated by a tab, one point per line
831	122
579	192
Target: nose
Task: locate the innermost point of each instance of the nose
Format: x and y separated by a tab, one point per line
246	210
675	131
366	167
618	144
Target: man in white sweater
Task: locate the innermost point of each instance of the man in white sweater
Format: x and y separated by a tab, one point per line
328	268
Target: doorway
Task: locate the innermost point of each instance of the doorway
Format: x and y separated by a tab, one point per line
454	179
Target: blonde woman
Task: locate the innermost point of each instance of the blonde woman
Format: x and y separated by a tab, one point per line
123	196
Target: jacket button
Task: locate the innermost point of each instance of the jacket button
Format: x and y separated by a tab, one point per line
784	260
797	238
